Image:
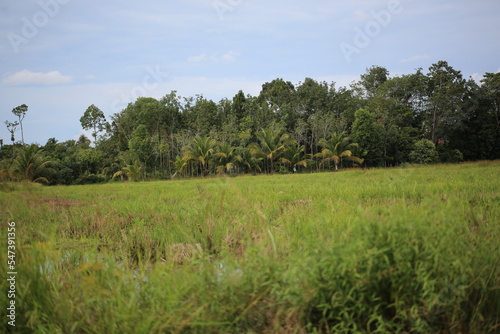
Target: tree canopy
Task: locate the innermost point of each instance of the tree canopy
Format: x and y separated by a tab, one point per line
381	120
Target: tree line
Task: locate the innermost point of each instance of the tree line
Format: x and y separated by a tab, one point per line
379	121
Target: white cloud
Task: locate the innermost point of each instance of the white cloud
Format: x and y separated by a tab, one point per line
26	77
477	78
198	58
230	56
414	58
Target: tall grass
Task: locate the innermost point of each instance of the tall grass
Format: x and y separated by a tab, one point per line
367	251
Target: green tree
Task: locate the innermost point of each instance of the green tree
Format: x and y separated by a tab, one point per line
225	158
478	136
20	112
248	161
272	143
312	97
140	145
446	89
491	85
238	108
201	116
393	119
200	151
367	133
32	165
294	156
338	149
374	77
133	172
93	118
321	126
424	152
280	97
408	90
89	161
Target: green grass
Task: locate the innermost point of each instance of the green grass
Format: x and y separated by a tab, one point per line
411	250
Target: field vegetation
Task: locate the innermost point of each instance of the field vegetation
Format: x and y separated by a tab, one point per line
412	249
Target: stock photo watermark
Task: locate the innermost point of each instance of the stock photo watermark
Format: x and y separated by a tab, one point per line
11	273
31	25
372	29
151	81
224	6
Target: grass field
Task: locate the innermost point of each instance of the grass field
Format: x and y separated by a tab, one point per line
398	250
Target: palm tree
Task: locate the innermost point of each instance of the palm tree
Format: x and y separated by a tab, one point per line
249	162
225	158
200	150
271	145
180	165
133	172
30	164
294	156
337	149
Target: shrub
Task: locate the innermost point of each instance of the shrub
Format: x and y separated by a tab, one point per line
424	152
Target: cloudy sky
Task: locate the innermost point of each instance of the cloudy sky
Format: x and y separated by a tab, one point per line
60	56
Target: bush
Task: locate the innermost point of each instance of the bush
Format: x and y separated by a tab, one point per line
448	155
90	179
424	152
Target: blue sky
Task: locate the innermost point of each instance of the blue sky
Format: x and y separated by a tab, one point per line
60	56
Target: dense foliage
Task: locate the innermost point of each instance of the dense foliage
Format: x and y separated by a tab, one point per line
381	120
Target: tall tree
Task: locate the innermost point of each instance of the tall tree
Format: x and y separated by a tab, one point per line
312	97
140	145
20	112
367	133
446	89
280	97
374	77
478	136
238	106
491	85
94	119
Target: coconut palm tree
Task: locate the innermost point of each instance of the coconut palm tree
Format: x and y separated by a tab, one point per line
271	145
294	156
225	158
200	151
249	162
337	149
133	172
32	165
180	165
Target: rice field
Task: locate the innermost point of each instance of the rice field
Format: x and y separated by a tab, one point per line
402	250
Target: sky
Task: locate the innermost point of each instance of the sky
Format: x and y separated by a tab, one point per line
60	56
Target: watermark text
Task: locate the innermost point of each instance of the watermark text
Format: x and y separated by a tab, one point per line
32	25
11	273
